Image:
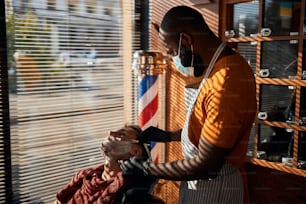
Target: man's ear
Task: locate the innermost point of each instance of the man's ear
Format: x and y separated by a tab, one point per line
155	26
136	151
186	38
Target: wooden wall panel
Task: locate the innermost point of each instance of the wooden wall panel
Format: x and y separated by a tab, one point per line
267	186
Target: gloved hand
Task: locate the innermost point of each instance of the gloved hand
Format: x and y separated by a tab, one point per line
134	167
154	134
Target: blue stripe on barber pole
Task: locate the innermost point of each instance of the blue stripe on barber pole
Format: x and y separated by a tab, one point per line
146	83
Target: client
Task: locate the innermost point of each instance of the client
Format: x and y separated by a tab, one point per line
105	183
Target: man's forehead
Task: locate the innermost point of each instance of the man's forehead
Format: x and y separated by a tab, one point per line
164	33
167	37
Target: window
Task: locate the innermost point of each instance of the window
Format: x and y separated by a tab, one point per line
108	8
91	6
90	9
71	8
67	89
51	5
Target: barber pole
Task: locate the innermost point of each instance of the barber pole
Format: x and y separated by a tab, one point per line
148	65
148	107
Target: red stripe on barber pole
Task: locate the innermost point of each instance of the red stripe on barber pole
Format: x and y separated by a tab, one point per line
146	115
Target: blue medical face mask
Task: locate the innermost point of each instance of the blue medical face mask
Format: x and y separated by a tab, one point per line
187	71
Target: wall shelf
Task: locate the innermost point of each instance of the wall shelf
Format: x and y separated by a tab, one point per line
270	35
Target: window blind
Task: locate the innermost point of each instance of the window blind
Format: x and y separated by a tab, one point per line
70	83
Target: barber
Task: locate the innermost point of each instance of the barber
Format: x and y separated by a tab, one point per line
219	119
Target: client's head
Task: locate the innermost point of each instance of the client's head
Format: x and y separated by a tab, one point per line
121	145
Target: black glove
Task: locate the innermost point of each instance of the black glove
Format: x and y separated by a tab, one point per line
154	134
134	167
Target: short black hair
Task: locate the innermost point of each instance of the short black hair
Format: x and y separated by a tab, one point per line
136	128
183	19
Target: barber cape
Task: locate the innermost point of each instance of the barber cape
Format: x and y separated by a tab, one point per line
87	187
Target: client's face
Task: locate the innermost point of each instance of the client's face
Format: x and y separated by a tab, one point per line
119	145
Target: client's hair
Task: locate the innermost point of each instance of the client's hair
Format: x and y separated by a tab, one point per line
145	147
